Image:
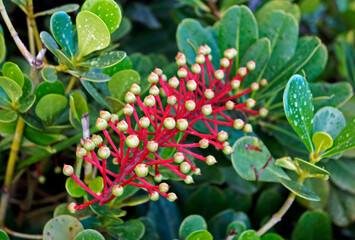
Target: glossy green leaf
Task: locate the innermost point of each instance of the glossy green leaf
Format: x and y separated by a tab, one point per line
116	104
250	153
130	230
2	47
62	227
27	103
27	88
273	6
97	208
121	82
126	63
150	232
7	116
93	34
311	168
271	236
238	29
94	93
96	184
344	141
62	30
313	226
89	234
322	141
74	189
41	138
200	235
298	108
91	76
78	105
342	174
299	189
50	106
49	42
123	30
107	10
3	234
321	188
329	120
107	60
268	197
49	74
46	88
191	224
11	88
65	8
12	71
236	227
249	235
5	101
64	59
316	64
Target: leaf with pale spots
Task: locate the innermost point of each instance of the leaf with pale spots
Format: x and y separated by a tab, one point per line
299	189
299	108
11	88
91	76
62	227
62	30
93	33
107	60
253	161
49	42
329	120
12	71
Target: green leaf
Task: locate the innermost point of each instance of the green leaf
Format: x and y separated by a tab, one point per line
27	103
64	8
126	63
107	10
238	29
271	198
311	168
344	141
313	226
322	141
121	82
7	116
27	88
90	76
49	42
89	234
50	106
12	71
46	88
130	230
298	107
329	120
78	105
62	227
321	188
250	153
94	93
49	74
93	34
96	208
249	235
191	224
3	234
62	30
341	207
273	6
123	30
200	235
150	229
342	174
64	59
2	47
11	88
271	236
107	60
74	189
299	189
237	227
96	184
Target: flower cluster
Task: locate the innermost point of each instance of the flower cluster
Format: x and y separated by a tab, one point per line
173	106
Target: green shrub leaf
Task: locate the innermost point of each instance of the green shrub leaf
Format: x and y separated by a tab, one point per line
329	120
121	82
49	74
201	234
12	71
50	106
191	224
47	88
271	236
299	189
49	42
11	88
62	227
91	76
62	30
64	8
3	234
96	184
273	6
74	189
2	47
78	105
130	230
249	235
26	104
322	141
311	168
7	116
107	60
89	234
94	93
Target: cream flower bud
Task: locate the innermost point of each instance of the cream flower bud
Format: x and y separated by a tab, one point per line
80	152
71	207
222	136
171	100
200	59
153	78
105	115
169	123
191	85
206	109
144	122
89	145
164	187
152	146
210	160
190	105
182	124
154	90
104	152
122	126
196	68
209	94
135	89
235	84
182	73
117	190
250	103
242	71
263	112
130	97
254	86
251	65
68	170
180	59
141	170
185	167
263	82
172	197
97	139
188	179
179	157
149	101
238	124
204	143
127	110
101	124
158	71
247	128
230	105
219	74
154	196
132	141
174	82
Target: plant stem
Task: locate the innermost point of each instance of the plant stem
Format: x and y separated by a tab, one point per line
70	85
20	235
214	9
10	168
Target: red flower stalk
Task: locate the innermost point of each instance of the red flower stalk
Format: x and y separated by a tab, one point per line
200	95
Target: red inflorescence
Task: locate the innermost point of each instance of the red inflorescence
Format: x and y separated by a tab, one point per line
201	94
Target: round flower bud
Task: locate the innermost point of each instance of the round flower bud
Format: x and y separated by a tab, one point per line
190	105
230	105
254	86
238	124
135	89
185	167
144	122
197	171
169	123
182	73
206	109
263	112
204	143
158	177
179	157
164	187
172	197
141	170
101	124
225	144
210	160
235	84
154	196
80	152
154	90
182	124
115	161
202	50
130	97
158	71
41	179
250	103
188	179
242	71
117	190
57	170
122	126
209	94
222	136
149	101
180	59
208	49
196	68
247	128
263	82
68	170
153	78
164	78
230	53
219	74
224	62
191	85
127	110
227	150
132	141
152	146
104	152
200	59
105	115
71	207
89	145
97	139
171	100
174	82
251	65
114	118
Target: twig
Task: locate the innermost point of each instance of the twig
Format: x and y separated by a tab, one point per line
20	235
86	126
214	9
